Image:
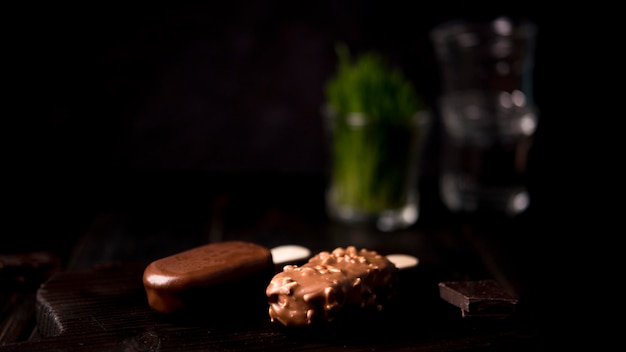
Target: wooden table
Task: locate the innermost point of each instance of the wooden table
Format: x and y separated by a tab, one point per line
98	303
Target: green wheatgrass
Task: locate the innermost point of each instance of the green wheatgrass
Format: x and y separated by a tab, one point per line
373	115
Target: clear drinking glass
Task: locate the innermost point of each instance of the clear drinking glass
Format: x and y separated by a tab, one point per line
489	117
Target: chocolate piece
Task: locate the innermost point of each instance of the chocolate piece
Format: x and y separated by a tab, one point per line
28	269
331	283
482	298
170	281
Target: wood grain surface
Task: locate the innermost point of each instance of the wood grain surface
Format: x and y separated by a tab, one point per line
105	309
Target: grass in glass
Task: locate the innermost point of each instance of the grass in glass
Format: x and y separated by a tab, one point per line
374	118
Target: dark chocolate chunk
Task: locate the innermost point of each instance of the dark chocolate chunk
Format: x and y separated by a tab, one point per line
28	268
481	298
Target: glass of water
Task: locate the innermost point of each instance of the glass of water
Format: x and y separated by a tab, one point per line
488	114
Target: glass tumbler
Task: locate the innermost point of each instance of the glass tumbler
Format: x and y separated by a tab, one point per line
374	171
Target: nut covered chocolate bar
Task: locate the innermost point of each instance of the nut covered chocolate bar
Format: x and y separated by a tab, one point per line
331	283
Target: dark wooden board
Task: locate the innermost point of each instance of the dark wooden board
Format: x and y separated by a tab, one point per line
105	309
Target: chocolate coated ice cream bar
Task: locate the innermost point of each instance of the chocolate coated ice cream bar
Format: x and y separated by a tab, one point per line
170	282
331	283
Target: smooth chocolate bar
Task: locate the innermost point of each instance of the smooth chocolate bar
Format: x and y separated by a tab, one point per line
173	283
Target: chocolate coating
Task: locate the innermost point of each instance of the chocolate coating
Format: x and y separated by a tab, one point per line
329	284
168	281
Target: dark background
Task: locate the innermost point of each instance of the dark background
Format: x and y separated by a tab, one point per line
108	99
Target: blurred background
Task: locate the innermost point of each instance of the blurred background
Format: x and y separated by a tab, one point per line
110	99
